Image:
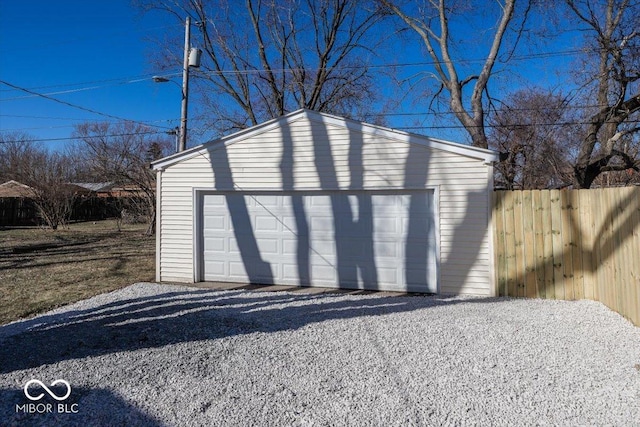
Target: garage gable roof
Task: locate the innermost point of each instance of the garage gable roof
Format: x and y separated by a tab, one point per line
488	156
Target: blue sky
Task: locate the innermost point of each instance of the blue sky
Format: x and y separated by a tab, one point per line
96	55
87	53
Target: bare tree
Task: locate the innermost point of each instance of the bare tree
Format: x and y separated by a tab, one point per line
533	129
47	174
466	89
12	147
610	137
268	57
121	153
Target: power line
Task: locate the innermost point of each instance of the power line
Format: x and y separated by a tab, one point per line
531	56
74	105
398	114
510	126
82	89
136	79
79	138
146	123
404	128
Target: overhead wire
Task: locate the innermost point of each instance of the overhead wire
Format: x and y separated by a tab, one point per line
136	79
27	139
145	77
90	110
401	128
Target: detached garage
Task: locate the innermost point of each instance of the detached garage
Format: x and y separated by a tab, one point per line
311	199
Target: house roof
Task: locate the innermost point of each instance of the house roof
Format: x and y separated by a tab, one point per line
95	186
488	156
15	189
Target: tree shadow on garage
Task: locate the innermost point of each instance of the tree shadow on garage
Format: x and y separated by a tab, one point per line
303	249
352	212
354	259
258	270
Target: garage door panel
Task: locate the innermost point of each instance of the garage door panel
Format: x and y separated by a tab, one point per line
266	223
324	247
417	276
379	244
357	249
290	273
321	224
289	246
289	223
217	268
214	202
269	246
389	275
268	200
318	201
233	250
214	222
386	225
215	244
324	275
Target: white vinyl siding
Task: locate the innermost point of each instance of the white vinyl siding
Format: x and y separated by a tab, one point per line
306	153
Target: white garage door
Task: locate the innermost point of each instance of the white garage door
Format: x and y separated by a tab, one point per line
363	240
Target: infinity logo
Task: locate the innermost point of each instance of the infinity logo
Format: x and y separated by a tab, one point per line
52	394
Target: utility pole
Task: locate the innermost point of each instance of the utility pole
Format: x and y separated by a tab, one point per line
176	133
185	85
191	59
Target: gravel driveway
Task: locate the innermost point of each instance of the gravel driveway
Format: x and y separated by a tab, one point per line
157	355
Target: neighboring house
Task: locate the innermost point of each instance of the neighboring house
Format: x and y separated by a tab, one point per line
16	205
126	191
15	189
312	199
112	190
110	200
101	189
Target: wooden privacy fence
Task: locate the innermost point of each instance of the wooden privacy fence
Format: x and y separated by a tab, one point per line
570	244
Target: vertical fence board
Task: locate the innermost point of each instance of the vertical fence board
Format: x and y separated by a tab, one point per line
627	207
567	245
530	287
538	220
596	220
519	237
570	245
576	248
510	243
606	247
618	285
499	243
547	245
556	238
586	227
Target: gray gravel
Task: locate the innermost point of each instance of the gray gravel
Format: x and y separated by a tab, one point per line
157	355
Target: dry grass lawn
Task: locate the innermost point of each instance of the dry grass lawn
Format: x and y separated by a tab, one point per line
42	269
